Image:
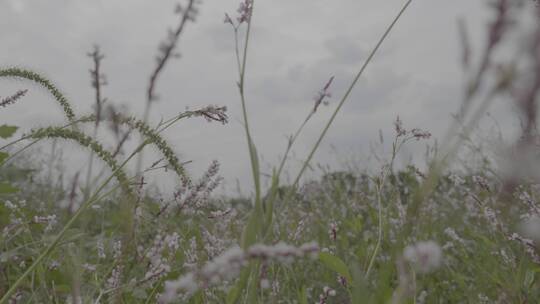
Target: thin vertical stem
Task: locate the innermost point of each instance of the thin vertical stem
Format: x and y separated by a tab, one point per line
241	86
348	92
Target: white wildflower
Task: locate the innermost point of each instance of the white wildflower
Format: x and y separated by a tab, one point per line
227	266
422	297
191	254
173	241
100	249
54	265
117	249
10	205
186	283
327	292
114	280
50	220
424	256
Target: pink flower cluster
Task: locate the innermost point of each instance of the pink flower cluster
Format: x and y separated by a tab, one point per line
244	10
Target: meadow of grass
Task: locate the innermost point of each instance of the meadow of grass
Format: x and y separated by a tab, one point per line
447	232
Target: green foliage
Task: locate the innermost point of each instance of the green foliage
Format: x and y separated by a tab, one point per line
7	131
6	188
3	156
153	136
89	142
462	278
335	264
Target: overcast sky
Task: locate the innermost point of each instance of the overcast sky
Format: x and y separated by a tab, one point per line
297	45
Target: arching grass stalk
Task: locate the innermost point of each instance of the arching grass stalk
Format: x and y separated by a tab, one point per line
380	187
347	93
160	128
83	119
210	113
144	129
44	82
152	134
95	197
160	143
89	142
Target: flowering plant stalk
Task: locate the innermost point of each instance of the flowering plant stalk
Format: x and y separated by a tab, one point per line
255	229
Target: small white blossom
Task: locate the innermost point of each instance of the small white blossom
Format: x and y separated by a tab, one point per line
100	249
114	280
227	266
424	256
10	205
327	292
54	265
50	220
422	297
117	249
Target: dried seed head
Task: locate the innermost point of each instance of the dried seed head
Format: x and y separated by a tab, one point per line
245	10
13	98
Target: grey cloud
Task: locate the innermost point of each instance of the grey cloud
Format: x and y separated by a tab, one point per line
296	47
345	50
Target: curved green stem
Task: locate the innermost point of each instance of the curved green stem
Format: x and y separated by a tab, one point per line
380	225
251	146
44	82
